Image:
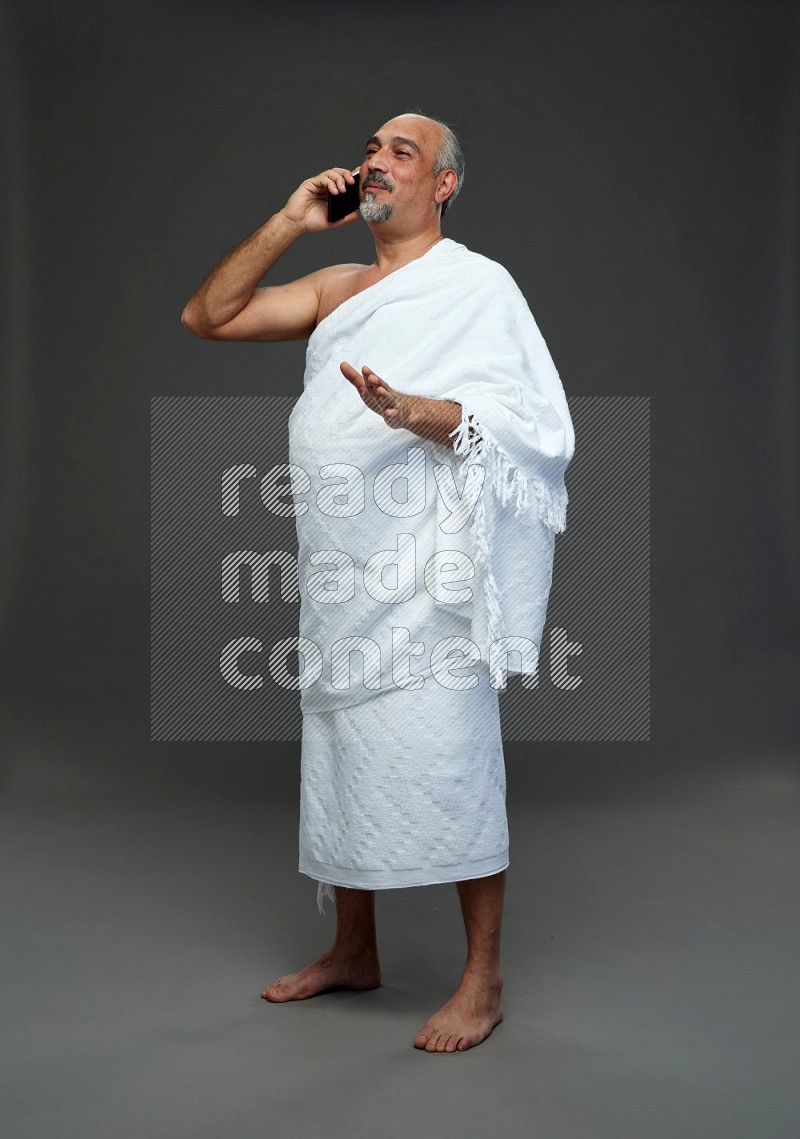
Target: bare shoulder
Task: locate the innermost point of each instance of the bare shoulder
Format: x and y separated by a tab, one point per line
335	273
337	283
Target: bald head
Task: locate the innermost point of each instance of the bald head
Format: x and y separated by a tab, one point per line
430	128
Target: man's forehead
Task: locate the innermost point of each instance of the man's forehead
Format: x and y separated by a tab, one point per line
415	128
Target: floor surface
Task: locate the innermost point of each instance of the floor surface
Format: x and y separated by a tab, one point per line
650	949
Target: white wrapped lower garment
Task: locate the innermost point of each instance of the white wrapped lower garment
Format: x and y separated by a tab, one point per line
404	790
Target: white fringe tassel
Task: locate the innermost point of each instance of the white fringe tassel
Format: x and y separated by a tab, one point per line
324	889
508	483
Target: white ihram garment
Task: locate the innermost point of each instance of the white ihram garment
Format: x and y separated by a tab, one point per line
405	790
402	778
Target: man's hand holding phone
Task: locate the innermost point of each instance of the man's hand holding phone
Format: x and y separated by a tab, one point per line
328	200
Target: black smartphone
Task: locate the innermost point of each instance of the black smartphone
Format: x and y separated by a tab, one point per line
340	205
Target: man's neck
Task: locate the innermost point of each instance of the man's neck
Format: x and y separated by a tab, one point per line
391	252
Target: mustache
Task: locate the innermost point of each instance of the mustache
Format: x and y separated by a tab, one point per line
380	179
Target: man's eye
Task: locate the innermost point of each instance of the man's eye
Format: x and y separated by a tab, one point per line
404	152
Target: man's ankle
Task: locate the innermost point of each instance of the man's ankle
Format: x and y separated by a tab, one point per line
355	947
483	969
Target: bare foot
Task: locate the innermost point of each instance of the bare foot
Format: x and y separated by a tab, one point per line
467	1018
356	971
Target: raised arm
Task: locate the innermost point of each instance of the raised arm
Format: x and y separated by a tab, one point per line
228	306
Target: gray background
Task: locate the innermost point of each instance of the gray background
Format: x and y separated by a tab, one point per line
635	167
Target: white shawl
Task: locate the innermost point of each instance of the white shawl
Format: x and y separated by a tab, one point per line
451	324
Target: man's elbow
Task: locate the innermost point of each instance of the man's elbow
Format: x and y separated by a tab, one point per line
189	321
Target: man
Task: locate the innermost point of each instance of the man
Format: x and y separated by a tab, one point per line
417	797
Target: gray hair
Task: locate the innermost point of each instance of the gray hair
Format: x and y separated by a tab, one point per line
449	156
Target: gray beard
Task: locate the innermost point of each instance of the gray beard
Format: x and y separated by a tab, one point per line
371	210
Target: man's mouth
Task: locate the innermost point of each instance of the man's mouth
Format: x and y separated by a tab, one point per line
374	186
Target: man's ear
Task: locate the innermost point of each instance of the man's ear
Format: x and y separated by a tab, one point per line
446	187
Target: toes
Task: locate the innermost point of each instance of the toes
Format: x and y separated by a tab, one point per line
273	992
435	1040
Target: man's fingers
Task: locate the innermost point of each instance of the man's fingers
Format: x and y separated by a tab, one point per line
355	377
336	179
370	387
346	220
374	380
